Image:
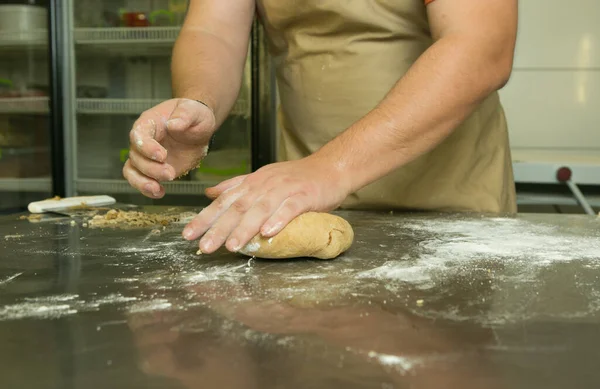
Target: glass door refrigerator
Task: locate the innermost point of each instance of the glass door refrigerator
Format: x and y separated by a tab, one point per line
117	64
26	130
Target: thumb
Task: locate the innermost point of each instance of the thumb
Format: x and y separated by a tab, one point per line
187	113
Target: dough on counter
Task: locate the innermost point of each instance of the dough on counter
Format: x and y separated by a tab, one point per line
312	234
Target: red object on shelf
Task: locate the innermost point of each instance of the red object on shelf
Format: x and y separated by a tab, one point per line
136	19
563	174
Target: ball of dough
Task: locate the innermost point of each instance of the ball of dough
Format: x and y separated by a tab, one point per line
312	234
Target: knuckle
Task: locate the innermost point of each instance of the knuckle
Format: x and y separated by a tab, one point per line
297	204
220	203
183	115
197	222
263	206
292	206
263	170
309	189
133	160
241	205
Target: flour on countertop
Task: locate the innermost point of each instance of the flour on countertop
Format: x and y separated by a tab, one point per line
15	236
227	272
401	363
464	255
9	279
150	305
57	306
458	243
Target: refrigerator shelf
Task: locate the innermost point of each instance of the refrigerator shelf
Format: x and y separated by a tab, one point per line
42	184
122	187
37	37
126	35
24	105
137	106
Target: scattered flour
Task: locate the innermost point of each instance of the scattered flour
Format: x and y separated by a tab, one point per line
251	248
462	256
115	298
49	307
460	243
57	306
35	311
214	273
401	363
150	305
9	279
308	277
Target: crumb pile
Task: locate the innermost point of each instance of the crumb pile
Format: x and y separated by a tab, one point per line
32	217
133	219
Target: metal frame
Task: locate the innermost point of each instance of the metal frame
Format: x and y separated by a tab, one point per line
62	97
580	197
70	92
262	102
56	48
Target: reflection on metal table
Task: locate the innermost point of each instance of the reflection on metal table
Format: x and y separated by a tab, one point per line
419	301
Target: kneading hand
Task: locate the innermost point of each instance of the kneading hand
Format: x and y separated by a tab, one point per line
265	201
166	142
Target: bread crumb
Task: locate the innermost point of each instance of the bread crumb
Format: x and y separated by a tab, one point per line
199	252
73	222
133	219
112	214
32	217
420	303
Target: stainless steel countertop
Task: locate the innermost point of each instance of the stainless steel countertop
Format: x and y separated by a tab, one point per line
420	301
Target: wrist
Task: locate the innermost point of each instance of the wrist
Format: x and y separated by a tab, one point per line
335	164
202	99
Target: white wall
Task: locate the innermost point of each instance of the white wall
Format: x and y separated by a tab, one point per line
553	98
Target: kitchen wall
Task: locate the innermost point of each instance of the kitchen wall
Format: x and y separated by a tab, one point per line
553	98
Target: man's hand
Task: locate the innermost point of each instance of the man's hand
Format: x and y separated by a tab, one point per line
266	201
166	142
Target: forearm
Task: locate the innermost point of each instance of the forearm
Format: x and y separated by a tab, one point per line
206	68
440	90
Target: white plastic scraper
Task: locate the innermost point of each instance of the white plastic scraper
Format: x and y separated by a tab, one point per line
59	205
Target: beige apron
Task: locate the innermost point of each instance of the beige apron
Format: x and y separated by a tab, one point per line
337	59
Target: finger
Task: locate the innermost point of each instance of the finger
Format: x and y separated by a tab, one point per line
144	136
226	223
254	219
156	170
149	187
216	236
290	208
209	215
215	191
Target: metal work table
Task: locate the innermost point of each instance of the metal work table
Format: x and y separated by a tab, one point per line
420	301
